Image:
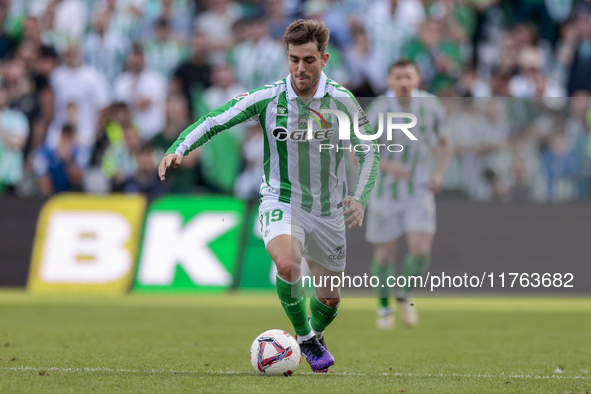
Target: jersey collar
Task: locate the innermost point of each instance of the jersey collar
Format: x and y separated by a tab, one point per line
320	92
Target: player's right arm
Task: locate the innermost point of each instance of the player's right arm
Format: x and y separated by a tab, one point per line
239	109
394	168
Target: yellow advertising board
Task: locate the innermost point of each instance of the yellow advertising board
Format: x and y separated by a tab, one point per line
87	244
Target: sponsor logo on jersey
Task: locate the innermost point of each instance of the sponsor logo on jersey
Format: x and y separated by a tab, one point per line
281	111
302	135
305	132
280	133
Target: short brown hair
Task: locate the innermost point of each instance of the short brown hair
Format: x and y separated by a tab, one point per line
402	63
304	31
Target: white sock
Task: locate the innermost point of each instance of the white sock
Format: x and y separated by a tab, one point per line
319	334
305	337
384	311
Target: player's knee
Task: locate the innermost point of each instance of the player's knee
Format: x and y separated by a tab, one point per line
382	257
330	302
287	268
420	251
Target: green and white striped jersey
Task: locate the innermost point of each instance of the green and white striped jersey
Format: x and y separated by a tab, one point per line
295	172
416	155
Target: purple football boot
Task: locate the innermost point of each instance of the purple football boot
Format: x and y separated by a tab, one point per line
316	355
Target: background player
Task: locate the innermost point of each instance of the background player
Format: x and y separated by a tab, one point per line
403	202
302	199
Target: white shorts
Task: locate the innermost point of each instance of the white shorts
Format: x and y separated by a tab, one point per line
387	220
323	238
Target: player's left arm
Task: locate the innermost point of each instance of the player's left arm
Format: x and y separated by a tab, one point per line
442	150
368	159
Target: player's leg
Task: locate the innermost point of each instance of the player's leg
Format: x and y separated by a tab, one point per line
325	251
384	227
416	264
324	306
285	245
418	257
382	267
419	223
285	250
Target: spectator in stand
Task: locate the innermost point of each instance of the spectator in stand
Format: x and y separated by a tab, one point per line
194	75
145	180
457	19
104	49
469	85
12	23
364	66
23	98
275	19
438	58
220	158
574	53
528	181
561	165
124	16
499	83
249	182
119	162
532	82
144	90
216	23
164	52
70	19
183	179
83	85
60	169
507	62
31	31
111	129
259	60
178	14
390	25
40	70
64	23
14	130
7	43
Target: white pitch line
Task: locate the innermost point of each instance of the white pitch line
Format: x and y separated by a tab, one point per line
405	374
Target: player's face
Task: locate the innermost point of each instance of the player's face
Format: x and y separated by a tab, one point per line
403	80
305	65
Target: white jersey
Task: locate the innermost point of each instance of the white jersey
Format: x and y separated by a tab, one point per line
295	172
416	155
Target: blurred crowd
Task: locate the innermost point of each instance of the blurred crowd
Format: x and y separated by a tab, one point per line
93	92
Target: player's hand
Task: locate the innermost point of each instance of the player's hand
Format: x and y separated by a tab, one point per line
355	211
168	160
435	183
398	170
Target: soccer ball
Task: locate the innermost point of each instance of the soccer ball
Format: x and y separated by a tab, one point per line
275	353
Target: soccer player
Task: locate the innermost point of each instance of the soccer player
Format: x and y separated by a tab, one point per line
303	211
403	202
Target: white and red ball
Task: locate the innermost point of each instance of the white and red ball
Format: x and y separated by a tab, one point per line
275	353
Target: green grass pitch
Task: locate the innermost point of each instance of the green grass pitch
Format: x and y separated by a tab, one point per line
187	344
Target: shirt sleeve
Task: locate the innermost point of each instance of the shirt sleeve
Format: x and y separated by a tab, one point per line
238	110
367	155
